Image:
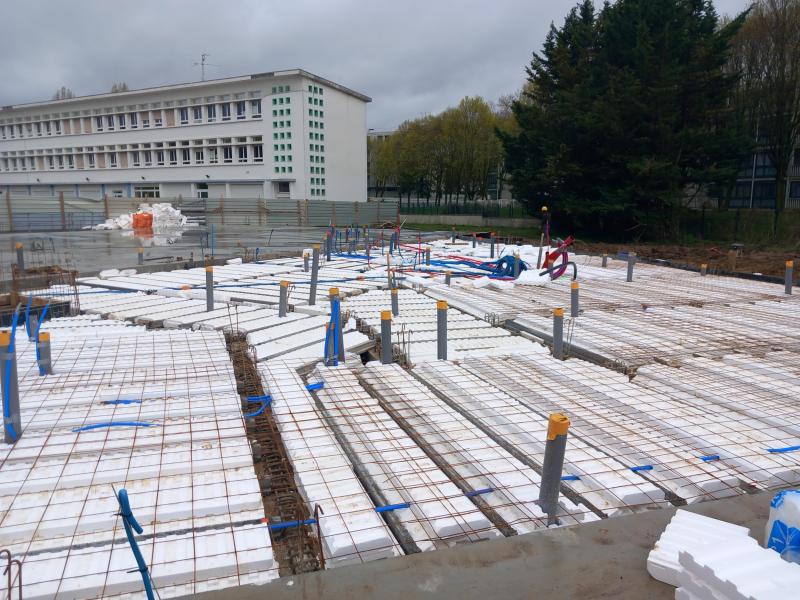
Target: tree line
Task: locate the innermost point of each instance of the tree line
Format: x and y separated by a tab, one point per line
446	157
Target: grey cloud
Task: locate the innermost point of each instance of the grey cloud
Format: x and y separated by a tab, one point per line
413	57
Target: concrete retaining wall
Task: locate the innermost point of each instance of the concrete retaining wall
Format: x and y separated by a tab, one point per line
477	220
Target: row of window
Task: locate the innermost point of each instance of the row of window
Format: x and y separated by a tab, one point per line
313	89
138	158
281	101
317	191
316	148
277	124
316	125
283	169
280	112
133	120
317	181
313	112
209	112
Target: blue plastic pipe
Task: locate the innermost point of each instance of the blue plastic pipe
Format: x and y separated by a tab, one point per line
7	380
114	424
131	525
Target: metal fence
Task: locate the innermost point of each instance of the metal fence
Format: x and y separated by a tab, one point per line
488	209
60	213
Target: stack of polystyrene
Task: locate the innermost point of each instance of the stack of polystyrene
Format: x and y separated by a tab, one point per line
736	569
688	531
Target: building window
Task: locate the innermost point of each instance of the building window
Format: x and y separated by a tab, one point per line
135	159
226	111
146	191
121	121
227	154
90	158
186	156
134	120
98	124
212	156
255	108
116	193
173	157
240	109
70	162
198	156
211	113
242	154
110	122
3	131
50	162
794	186
145	122
160	157
112	159
198	114
38	129
158	122
283	187
184	114
258	153
148	158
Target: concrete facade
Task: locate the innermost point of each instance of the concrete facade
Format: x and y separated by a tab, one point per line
283	134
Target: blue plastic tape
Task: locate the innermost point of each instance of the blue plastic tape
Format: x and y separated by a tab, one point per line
710	457
570	478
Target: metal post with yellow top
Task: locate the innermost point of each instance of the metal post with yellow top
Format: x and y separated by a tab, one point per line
703	270
441	329
386	337
312	292
44	355
447	275
209	288
20	256
491	245
283	300
605	260
789	277
574	310
554	450
558	333
395	302
140	256
12	421
305	260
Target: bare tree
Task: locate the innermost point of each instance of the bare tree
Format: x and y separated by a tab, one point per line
119	87
63	93
767	53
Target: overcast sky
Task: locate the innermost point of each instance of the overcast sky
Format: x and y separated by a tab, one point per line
411	56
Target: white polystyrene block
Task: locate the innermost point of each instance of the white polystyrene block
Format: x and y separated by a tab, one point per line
687	531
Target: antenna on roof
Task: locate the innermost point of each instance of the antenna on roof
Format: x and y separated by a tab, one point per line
203	64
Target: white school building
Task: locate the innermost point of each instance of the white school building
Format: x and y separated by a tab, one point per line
284	134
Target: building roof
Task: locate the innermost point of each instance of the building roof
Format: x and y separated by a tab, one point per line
66	102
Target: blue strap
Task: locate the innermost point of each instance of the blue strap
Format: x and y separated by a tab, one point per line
570	478
782	450
642	468
121	402
264	405
391	507
472	493
710	457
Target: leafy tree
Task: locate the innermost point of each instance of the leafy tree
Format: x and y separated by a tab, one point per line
767	54
626	109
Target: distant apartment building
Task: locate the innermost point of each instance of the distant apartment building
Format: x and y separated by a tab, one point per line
282	134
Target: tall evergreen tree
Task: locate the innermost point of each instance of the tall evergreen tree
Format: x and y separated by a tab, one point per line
627	112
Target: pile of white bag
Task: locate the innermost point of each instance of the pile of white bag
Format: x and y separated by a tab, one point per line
164	218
